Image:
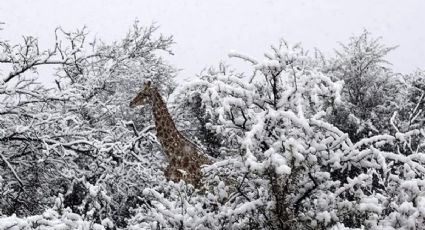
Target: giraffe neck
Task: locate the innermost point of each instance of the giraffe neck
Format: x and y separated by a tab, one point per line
165	126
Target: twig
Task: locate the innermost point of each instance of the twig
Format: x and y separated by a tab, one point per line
239	188
306	194
11	169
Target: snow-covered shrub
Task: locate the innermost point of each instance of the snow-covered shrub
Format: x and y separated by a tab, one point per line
412	114
52	219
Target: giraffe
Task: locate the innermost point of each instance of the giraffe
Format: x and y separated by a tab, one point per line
184	158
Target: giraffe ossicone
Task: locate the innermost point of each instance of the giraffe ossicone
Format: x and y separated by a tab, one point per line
185	160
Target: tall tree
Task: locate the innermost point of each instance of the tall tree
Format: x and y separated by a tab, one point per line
371	90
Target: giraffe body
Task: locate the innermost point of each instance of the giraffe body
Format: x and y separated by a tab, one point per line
185	160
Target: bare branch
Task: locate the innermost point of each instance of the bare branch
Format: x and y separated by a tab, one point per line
12	169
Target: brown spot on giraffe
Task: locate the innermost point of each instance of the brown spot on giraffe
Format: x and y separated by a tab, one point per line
185	160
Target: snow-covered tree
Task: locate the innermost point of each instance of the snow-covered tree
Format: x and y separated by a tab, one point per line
372	92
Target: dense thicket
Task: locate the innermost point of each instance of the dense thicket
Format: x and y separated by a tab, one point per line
301	142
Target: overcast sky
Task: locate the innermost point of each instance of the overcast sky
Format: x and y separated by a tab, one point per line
205	31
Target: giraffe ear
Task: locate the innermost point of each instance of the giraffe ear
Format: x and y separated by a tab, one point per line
147	83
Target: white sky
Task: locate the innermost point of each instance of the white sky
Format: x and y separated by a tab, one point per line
205	31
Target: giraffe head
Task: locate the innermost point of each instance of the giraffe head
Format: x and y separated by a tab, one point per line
144	96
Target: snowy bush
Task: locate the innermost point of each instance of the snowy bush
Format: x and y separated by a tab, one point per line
52	219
